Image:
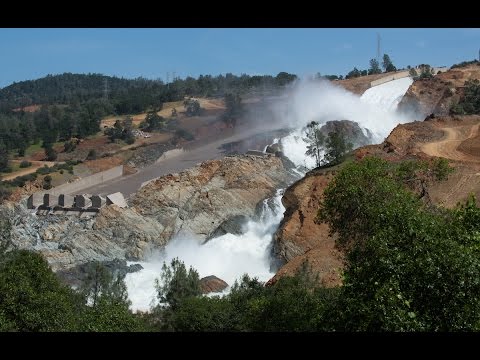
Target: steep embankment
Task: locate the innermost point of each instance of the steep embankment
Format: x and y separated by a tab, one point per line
198	201
438	94
454	138
299	238
360	84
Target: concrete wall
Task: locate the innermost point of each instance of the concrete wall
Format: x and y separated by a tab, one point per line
396	76
92	180
402	74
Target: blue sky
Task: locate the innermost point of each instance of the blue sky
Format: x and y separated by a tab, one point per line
151	53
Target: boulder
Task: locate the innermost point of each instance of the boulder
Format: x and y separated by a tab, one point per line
211	283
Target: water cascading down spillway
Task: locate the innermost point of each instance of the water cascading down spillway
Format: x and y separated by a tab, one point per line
230	256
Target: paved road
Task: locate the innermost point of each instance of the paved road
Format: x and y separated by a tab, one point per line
195	153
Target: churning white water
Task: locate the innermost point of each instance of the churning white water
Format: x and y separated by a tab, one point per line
230	256
227	257
375	110
387	95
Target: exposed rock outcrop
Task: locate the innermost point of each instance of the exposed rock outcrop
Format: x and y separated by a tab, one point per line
67	241
211	283
350	130
298	238
200	202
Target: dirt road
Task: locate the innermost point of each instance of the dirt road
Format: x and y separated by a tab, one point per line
26	171
465	180
448	146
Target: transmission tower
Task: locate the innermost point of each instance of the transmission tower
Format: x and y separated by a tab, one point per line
378	47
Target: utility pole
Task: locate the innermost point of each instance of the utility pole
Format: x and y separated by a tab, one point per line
378	48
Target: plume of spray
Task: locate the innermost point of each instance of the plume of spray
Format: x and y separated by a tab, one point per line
322	101
228	256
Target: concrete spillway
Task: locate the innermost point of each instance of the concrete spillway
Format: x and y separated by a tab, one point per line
387	96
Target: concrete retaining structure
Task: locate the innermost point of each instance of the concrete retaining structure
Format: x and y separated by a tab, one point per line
65	201
117	199
256	153
395	76
89	181
35	200
82	201
401	74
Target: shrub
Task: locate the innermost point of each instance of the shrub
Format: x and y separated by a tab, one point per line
25	164
92	154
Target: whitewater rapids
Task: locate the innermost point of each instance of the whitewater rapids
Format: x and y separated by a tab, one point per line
230	256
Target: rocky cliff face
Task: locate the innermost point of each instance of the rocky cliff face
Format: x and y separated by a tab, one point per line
202	199
299	238
67	241
195	202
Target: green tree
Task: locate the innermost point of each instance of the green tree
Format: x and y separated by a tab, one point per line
374	67
284	78
69	146
47	182
153	122
108	303
353	74
336	147
315	142
470	102
50	153
426	71
31	296
408	267
413	73
234	109
176	283
3	157
387	64
92	154
192	107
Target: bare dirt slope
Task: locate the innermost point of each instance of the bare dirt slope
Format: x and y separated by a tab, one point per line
360	84
454	138
448	147
438	94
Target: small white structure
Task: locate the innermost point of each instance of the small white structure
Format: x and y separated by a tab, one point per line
117	199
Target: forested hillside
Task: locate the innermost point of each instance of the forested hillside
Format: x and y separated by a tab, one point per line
72	105
128	95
